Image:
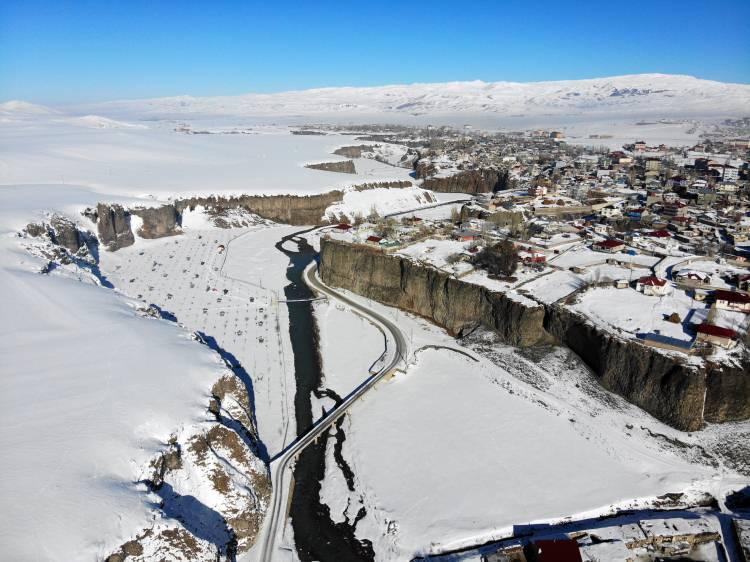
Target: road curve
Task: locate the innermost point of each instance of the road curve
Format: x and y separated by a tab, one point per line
280	462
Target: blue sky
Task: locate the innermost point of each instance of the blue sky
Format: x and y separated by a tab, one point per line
67	52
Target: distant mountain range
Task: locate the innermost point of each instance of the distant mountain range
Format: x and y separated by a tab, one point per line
642	94
632	96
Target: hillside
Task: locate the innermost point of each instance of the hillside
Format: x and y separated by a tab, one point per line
632	95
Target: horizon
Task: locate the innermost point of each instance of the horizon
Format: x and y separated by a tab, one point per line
62	106
374	281
67	53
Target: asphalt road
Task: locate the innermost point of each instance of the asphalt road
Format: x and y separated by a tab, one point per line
280	462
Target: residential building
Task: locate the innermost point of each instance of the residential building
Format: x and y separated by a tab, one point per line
716	335
728	300
653	286
610	246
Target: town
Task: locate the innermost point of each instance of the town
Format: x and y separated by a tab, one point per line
649	242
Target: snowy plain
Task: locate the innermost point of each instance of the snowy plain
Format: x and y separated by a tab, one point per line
90	391
158	163
455	452
231	296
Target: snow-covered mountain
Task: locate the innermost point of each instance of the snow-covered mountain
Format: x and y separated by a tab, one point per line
632	95
19	108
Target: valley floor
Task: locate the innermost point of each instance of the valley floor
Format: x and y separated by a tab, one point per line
458	451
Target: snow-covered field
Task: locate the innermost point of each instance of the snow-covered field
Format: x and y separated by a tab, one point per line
157	162
359	204
231	296
455	452
91	391
637	313
583	256
350	345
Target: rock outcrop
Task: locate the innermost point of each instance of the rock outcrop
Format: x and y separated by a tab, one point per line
218	459
60	231
61	241
158	221
65	233
681	395
114	221
309	132
353	151
468	181
113	226
289	209
343	167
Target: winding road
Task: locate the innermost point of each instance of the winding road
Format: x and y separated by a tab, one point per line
276	517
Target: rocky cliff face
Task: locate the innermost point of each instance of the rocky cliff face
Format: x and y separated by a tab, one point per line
158	221
219	456
289	209
658	383
457	306
469	181
344	167
60	231
727	393
113	226
676	393
62	242
66	234
353	151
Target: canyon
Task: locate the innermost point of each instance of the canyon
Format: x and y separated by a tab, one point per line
682	395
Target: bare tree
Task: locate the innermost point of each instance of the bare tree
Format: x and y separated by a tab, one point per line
499	259
374	215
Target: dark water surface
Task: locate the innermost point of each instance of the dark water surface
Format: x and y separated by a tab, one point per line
316	536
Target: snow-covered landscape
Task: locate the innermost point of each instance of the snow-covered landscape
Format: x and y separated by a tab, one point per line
267	326
473	410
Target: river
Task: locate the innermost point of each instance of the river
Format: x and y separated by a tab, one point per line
316	535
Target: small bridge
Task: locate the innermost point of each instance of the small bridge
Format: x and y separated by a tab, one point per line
304	300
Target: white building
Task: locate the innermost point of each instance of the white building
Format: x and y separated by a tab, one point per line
653	286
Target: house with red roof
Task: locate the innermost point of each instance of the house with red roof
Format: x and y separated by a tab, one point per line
734	301
653	286
610	246
553	550
716	335
466	235
532	257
